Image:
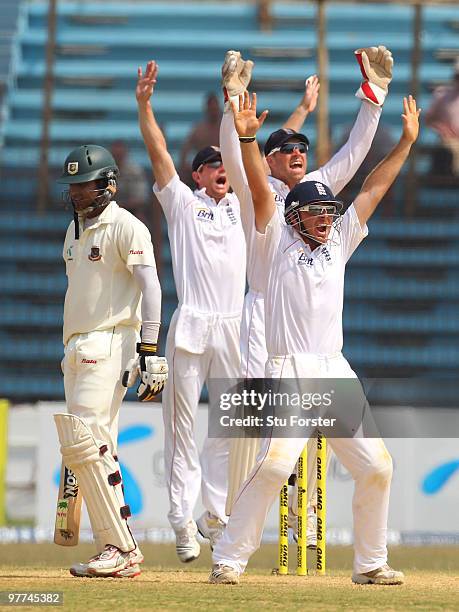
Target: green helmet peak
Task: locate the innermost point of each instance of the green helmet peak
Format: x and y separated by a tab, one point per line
88	163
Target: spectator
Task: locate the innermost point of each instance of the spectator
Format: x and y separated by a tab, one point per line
133	192
443	117
203	134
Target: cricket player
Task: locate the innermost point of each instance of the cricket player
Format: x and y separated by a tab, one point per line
286	157
113	290
208	258
303	307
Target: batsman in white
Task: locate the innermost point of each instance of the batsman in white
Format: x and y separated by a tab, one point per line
113	289
304	340
208	258
286	157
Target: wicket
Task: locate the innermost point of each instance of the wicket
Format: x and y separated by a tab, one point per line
302	480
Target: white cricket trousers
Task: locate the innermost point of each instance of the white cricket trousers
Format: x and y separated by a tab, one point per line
366	459
254	356
93	366
253	343
186	472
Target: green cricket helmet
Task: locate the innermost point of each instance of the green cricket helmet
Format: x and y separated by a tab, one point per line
88	163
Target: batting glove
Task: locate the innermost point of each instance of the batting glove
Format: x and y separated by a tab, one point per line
236	74
376	67
153	372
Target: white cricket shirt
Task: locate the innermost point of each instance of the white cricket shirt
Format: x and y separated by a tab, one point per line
207	247
336	173
102	291
304	289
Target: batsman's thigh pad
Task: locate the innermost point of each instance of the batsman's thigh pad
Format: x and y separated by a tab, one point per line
99	479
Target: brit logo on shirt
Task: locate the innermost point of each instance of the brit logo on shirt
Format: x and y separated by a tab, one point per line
231	215
278	199
303	260
204	214
94	255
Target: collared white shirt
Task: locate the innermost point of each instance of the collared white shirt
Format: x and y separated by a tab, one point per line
336	173
304	289
102	291
207	247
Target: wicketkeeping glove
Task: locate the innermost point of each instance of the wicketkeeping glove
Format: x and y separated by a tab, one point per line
236	74
153	372
376	67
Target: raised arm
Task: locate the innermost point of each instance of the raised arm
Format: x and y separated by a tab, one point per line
236	75
307	105
381	178
155	143
376	64
247	125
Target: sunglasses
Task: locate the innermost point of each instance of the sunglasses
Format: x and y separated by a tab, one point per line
319	209
213	164
289	147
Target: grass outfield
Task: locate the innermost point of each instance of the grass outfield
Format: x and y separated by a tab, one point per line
432	581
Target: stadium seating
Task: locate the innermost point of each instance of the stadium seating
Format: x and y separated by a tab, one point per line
402	287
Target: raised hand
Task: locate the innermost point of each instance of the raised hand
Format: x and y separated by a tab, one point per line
146	82
311	93
376	65
410	118
245	119
236	73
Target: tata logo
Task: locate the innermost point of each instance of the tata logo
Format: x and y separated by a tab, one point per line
303	260
437	478
204	214
132	490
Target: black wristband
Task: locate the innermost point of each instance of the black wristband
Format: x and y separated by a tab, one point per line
247	138
146	349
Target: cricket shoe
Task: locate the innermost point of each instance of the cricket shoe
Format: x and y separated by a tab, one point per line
211	528
186	544
311	527
223	574
382	575
112	562
80	570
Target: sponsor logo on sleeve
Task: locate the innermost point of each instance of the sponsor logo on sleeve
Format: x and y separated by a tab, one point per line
134	252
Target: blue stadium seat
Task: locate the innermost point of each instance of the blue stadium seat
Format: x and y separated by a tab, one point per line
402	288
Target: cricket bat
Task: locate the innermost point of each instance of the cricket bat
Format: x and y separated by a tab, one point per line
68	512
